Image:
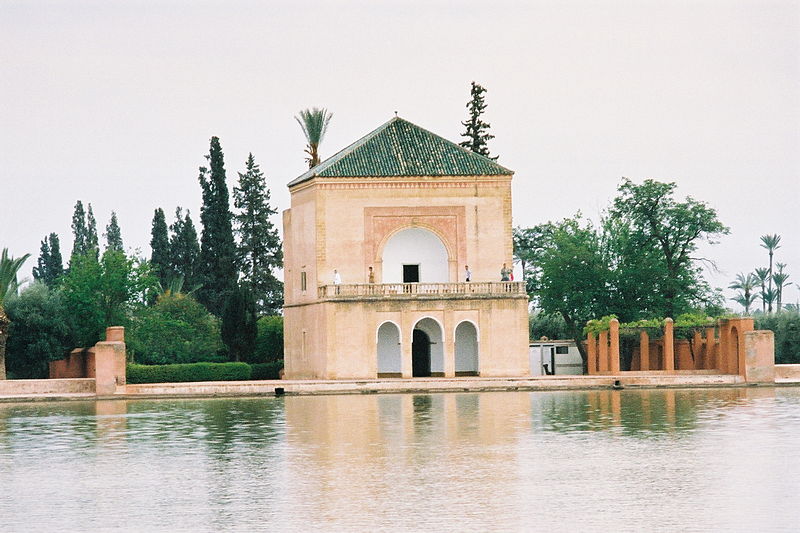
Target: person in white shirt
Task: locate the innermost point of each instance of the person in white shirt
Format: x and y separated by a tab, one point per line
467	273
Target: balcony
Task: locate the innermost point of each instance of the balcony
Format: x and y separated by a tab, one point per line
423	291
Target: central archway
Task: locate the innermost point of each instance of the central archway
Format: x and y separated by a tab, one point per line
427	349
421	355
415	255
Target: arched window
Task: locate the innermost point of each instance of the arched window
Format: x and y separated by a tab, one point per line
415	255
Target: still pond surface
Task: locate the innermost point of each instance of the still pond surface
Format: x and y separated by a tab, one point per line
660	460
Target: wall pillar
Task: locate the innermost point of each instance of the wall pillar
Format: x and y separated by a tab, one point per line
759	348
107	362
614	349
709	354
406	338
591	354
669	346
602	352
644	351
449	348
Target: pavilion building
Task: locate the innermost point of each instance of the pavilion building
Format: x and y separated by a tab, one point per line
376	247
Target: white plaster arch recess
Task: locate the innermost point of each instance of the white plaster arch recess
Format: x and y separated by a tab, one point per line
415	245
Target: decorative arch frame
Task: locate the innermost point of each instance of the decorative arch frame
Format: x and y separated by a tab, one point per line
399	329
420	319
448	223
474	325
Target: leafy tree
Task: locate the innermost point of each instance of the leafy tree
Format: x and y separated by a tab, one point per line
176	329
786	326
159	244
746	284
38	332
770	243
552	326
92	241
239	328
528	247
100	293
9	268
80	234
184	249
314	123
113	234
761	275
477	133
269	341
672	229
217	262
259	250
49	266
573	276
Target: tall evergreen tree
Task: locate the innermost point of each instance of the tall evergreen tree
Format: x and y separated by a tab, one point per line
50	265
259	249
239	327
79	231
159	244
217	263
92	241
184	249
477	134
113	234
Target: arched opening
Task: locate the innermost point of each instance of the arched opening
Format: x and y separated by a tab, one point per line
427	350
733	356
415	255
421	355
466	349
389	353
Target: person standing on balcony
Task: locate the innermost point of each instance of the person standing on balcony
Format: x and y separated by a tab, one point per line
467	273
337	279
371	276
505	273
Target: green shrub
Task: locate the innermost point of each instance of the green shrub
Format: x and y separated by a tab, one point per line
177	329
269	370
552	326
786	326
37	334
188	372
269	342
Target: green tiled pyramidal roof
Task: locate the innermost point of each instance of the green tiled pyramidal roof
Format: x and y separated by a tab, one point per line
400	148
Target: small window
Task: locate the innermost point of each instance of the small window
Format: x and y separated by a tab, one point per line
410	273
303	281
562	350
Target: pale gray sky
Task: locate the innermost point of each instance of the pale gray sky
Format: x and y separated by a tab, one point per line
114	102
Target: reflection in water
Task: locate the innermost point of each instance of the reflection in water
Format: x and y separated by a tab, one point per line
656	460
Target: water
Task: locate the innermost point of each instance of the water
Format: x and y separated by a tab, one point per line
661	460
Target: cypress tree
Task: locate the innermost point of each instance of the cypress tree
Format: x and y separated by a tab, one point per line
79	231
159	244
477	134
239	328
217	262
49	266
113	234
184	249
92	242
259	250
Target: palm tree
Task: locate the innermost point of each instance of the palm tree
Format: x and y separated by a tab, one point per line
770	243
780	278
762	274
9	267
746	284
314	123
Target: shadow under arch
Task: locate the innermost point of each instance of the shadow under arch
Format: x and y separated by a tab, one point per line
427	348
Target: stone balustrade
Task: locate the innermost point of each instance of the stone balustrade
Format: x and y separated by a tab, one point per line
483	289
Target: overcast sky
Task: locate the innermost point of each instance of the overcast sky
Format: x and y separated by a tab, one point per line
114	103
